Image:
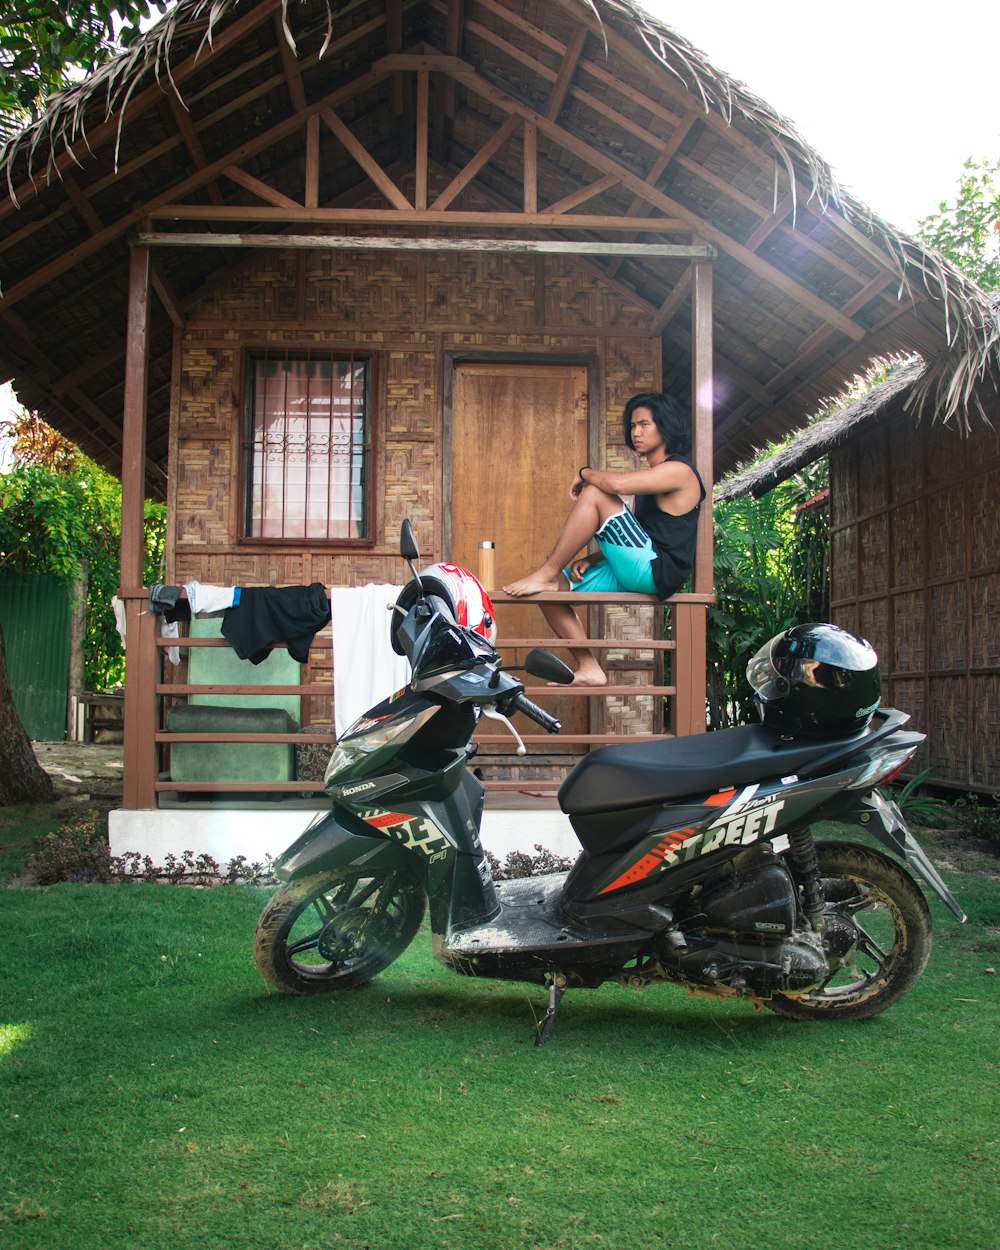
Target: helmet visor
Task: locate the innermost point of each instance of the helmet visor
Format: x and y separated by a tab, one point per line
767	683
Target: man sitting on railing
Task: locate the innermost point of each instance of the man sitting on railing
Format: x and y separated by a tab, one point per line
649	550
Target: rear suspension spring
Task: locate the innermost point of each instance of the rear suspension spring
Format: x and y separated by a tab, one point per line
805	870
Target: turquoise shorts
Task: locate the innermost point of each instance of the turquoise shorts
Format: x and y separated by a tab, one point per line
628	558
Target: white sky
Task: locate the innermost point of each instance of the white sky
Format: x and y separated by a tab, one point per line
894	94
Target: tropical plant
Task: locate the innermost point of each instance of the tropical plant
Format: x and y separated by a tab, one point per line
920	808
968	230
979	816
770	573
46	44
60	513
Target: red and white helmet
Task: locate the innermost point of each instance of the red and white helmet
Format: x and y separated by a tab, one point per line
464	594
467	596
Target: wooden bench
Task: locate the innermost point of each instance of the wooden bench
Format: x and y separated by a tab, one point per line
100	711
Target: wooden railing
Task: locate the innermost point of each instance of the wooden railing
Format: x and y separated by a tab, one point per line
147	694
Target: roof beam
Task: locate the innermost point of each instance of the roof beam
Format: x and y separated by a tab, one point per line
482	157
445	115
377	242
470	77
570	61
262	190
187	131
138	104
367	162
73	256
261	87
21	334
576	198
659	169
423	137
290	65
763	160
296	214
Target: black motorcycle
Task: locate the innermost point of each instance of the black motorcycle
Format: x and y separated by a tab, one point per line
698	863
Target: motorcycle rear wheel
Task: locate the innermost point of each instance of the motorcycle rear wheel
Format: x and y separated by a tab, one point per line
894	936
336	930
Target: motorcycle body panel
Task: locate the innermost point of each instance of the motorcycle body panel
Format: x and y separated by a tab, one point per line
697	860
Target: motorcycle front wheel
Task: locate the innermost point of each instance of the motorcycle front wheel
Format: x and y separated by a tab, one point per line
880	916
336	930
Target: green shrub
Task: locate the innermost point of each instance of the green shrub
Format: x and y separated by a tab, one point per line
917	808
978	817
521	864
80	852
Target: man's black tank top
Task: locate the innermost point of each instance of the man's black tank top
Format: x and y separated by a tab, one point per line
673	537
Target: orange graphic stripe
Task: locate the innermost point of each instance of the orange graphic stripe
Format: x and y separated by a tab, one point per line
386	819
644	867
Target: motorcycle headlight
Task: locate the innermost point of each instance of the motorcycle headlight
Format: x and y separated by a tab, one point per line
359	746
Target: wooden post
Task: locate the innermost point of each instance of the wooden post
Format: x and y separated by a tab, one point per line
688	705
703	418
141	669
77	633
140	694
691	622
422	139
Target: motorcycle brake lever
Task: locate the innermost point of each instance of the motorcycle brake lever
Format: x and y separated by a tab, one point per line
493	714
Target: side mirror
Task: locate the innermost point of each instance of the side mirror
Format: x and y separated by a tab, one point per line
543	664
407	543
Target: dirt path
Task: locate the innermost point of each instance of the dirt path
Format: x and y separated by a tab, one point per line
82	768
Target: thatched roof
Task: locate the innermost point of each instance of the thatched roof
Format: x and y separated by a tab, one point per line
209	113
825	433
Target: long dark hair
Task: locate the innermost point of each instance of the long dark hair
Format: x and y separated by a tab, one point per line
668	417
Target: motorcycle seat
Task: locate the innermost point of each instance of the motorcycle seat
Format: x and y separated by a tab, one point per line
673	768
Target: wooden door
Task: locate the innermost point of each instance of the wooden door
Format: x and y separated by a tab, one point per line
518	431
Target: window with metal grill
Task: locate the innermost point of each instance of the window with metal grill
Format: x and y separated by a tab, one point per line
307	446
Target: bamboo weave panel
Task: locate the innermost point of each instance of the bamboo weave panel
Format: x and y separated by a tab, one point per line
948	626
945	533
906	524
984	648
909	641
985	739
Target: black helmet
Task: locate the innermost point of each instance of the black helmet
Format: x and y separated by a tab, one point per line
816	680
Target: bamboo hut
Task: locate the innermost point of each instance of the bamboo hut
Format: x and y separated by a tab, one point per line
913	559
491	221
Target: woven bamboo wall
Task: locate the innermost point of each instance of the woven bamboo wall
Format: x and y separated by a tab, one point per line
915	568
410	310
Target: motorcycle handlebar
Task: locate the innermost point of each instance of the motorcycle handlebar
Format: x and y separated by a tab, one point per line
538	715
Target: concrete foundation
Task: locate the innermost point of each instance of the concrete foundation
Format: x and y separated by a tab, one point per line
255	833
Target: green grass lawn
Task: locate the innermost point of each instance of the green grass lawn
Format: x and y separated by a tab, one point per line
155	1095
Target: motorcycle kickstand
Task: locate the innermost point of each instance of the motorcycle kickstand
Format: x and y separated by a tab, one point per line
557	988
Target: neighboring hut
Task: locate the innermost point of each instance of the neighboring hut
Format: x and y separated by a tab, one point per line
915	532
459	233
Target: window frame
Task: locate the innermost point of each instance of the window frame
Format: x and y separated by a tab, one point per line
249	354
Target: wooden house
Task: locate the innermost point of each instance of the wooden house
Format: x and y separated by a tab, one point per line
459	233
913	558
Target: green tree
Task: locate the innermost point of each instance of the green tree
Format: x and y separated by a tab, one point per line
967	231
770	574
47	44
58	509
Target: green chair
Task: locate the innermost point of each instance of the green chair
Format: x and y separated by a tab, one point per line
234	713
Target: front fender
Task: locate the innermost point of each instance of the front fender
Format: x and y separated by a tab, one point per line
881	817
328	844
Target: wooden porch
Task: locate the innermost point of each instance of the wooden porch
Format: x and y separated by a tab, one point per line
149	695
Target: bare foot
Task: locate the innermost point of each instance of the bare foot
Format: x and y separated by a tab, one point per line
590	675
533	584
